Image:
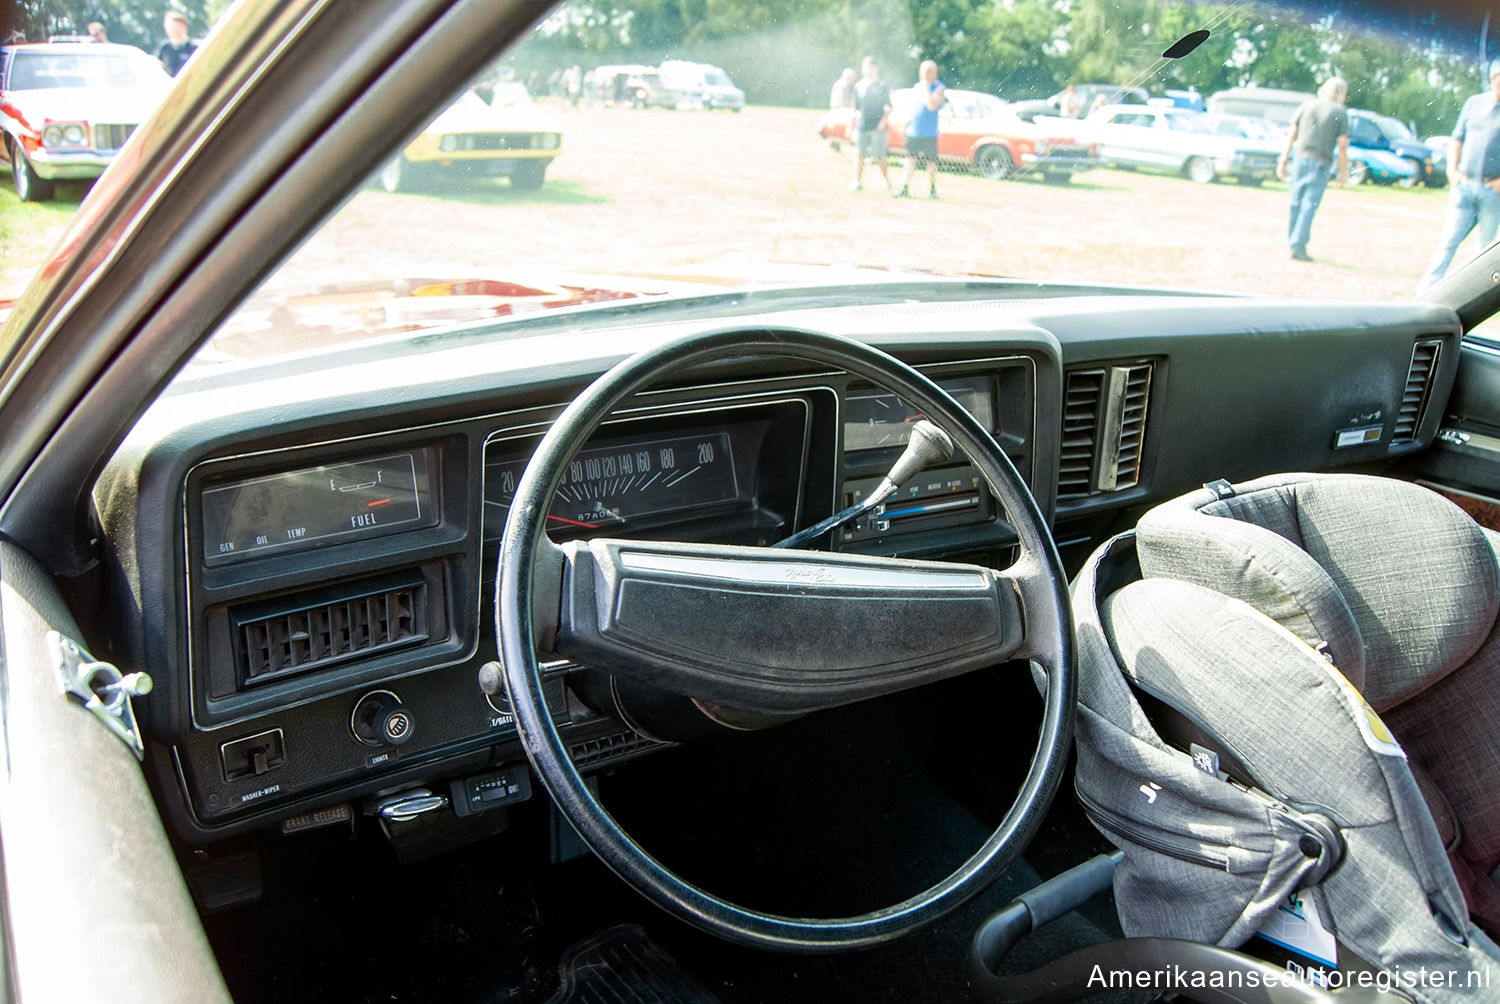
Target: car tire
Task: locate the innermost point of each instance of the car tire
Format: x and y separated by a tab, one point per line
1415	180
1359	173
30	186
995	162
529	175
1201	170
395	176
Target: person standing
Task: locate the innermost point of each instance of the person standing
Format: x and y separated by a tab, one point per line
922	130
872	113
1474	182
1071	106
573	84
842	94
1320	127
176	50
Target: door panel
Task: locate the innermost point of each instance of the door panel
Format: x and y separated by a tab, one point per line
1464	462
95	905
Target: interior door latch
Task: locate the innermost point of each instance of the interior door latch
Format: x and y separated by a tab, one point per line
100	688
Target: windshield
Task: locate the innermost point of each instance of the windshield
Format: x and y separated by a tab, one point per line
1393	128
1050	146
51	69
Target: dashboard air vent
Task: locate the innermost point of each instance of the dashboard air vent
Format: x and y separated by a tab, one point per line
1424	356
1104	430
301	633
1075	472
1124	435
611	747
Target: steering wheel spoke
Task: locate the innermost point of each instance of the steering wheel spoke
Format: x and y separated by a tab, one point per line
780	631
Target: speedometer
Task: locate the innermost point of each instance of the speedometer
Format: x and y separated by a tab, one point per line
624	482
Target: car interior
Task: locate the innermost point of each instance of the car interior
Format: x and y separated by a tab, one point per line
885	637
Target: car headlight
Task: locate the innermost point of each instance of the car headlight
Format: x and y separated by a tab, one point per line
65	134
1043	148
550	140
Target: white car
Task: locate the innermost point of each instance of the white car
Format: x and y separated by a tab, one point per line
66	108
1181	141
713	85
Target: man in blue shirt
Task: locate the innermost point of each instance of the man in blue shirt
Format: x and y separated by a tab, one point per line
922	130
1474	199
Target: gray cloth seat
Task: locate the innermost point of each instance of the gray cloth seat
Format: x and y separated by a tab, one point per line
1323	652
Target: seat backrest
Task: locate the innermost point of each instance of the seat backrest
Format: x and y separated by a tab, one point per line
1397	584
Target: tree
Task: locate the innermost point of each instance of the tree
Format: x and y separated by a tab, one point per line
125	21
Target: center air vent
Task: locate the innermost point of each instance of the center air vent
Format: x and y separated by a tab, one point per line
1424	357
1104	430
611	747
296	634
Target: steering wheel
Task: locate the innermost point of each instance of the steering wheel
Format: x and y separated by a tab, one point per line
794	631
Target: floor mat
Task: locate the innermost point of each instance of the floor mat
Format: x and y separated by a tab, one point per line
624	964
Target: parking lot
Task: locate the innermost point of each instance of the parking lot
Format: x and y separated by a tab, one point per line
760	186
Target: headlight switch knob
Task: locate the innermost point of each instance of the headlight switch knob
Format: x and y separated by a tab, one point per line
380	719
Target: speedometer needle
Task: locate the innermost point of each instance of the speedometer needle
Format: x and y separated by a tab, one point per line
573	522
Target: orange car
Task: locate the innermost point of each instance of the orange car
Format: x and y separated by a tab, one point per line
978	132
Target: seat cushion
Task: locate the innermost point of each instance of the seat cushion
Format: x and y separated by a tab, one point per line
1398	585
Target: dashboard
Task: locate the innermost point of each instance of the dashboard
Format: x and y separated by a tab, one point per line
308	573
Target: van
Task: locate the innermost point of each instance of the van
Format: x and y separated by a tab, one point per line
1259	102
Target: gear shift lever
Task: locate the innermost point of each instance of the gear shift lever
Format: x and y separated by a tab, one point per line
928	445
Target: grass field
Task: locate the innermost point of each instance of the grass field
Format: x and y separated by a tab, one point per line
636	191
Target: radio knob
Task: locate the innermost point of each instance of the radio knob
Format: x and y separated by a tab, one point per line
380	719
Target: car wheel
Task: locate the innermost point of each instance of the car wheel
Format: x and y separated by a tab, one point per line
30	186
1414	180
994	162
395	174
1201	170
529	175
1359	173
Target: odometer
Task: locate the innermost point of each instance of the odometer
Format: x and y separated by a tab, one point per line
625	482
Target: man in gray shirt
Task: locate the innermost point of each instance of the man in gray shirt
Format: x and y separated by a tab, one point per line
1474	180
1319	128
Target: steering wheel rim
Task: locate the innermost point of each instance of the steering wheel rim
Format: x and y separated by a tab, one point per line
1044	601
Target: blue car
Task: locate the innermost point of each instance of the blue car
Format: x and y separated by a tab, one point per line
1391	153
1382	167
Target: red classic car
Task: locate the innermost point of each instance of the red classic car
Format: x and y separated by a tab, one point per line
67	107
979	132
